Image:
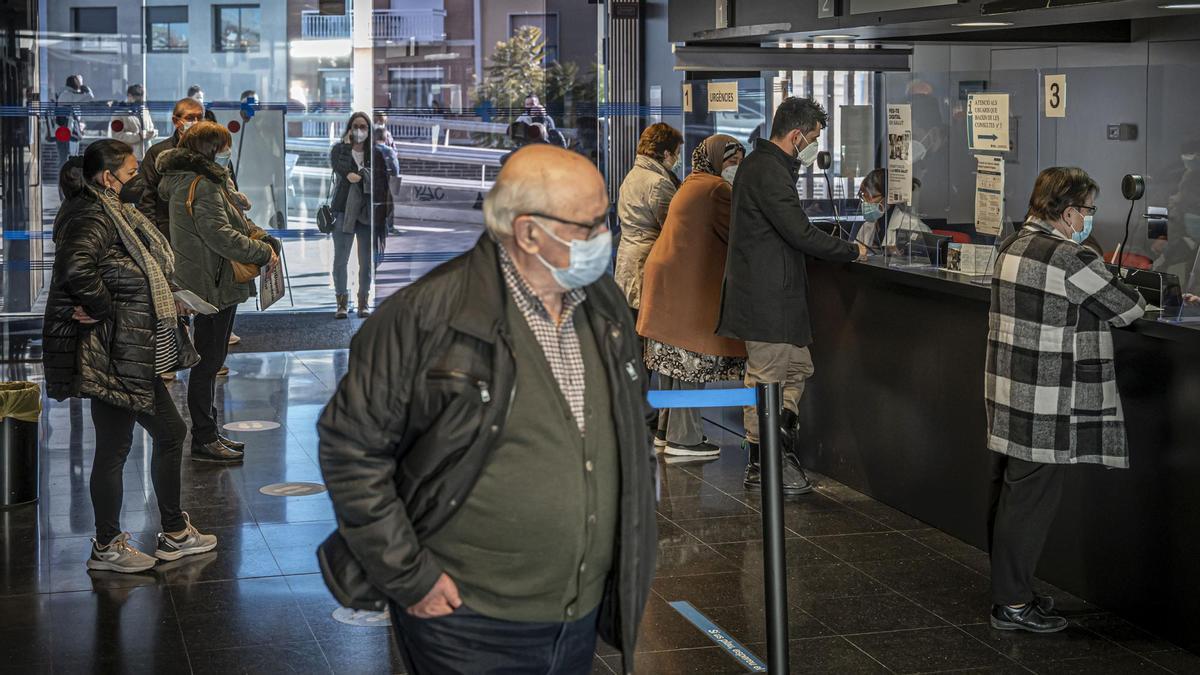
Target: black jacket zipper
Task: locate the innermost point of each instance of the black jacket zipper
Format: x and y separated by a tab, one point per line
485	394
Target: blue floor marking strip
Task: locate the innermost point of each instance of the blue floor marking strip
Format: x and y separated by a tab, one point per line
715	633
702	398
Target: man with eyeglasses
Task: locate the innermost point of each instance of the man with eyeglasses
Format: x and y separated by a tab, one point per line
764	299
487	451
187	112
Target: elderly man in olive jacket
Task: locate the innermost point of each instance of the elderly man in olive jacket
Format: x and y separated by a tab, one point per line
487	451
764	300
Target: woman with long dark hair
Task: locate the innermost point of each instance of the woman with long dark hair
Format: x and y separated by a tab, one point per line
111	329
360	205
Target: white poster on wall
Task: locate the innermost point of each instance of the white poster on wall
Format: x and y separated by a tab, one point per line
987	119
989	194
899	153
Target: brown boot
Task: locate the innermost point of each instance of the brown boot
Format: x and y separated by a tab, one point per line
343	305
363	300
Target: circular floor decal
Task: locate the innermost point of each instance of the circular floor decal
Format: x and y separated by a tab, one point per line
296	489
359	617
252	425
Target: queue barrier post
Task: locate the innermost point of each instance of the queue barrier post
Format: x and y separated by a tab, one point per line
774	559
767	398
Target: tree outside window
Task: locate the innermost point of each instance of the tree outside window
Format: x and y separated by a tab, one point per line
237	28
167	29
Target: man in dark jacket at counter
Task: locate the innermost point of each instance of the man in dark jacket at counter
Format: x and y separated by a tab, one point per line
487	452
187	112
764	300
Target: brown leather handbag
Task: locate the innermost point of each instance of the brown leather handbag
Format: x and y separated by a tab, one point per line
242	272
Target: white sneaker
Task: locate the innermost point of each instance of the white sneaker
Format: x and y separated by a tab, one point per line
192	542
234	339
118	556
701	449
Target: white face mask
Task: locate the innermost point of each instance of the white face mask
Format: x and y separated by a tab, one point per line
587	259
358	135
729	172
809	154
187	125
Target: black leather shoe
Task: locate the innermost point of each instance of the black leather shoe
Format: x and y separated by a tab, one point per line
795	482
215	452
1031	618
789	430
231	444
1044	603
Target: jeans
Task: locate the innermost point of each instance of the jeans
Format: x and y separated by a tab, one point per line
211	335
683	426
341	256
1025	497
65	150
468	643
114	437
770	362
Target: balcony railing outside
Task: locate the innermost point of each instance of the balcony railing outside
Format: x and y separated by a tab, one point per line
394	25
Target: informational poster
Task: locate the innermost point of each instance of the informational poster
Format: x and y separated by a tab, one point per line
1056	95
987	120
271	288
899	154
687	98
722	97
989	194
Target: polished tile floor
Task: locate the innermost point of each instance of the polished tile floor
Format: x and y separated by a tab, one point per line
871	589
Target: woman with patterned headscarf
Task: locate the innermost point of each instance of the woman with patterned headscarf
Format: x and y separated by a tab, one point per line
681	294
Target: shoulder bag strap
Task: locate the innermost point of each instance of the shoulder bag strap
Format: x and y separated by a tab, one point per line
191	195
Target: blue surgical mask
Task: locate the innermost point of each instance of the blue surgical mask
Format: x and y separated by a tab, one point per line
1191	223
588	260
871	211
222	158
1080	237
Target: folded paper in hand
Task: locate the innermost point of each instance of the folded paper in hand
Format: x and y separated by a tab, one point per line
194	302
271	289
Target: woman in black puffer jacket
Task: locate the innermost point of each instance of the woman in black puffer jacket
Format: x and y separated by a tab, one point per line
111	328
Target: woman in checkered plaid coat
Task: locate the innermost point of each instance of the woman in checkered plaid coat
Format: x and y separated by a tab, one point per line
1051	388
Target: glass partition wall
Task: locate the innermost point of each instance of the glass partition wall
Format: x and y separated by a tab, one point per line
443	83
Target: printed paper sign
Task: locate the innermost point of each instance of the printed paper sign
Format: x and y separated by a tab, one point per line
989	194
1056	95
899	159
687	98
987	119
722	97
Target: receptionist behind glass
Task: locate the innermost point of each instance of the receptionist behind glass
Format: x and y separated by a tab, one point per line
880	221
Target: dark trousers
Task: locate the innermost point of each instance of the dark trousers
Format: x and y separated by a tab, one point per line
114	437
211	335
1025	497
468	643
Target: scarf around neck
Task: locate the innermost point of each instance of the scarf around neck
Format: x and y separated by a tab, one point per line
148	248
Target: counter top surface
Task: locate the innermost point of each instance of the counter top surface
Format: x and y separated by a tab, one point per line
961	285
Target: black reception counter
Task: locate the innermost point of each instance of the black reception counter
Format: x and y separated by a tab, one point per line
896	411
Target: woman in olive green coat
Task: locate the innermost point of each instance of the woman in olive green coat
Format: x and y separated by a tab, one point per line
208	233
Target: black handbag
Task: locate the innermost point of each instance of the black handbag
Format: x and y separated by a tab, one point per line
345	576
325	220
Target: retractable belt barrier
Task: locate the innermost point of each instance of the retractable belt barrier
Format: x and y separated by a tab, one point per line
767	399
